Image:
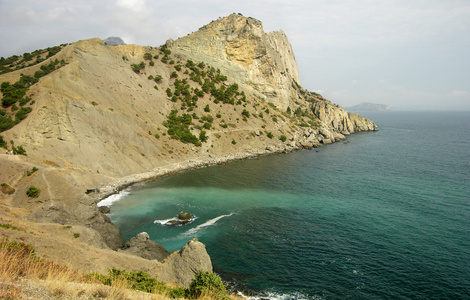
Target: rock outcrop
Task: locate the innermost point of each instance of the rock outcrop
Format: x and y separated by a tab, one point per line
336	118
181	265
114	41
141	245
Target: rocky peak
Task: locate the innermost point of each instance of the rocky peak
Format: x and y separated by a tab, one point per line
238	45
114	41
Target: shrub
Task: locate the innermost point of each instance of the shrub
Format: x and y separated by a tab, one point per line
246	113
19	150
3	143
283	138
202	136
76	235
270	135
33	192
137	68
207	283
168	92
207	109
22	113
29	173
140	281
6	189
234	142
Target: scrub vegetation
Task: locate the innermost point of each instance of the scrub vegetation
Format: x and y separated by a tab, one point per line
21	268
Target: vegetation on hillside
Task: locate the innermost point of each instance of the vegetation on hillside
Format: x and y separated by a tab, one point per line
194	85
16	62
15	93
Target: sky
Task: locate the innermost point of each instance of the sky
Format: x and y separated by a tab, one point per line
408	54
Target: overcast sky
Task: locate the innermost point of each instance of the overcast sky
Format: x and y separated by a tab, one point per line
404	53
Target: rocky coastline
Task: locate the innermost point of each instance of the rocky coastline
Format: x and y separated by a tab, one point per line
97	124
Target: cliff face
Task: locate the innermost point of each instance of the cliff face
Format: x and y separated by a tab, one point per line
123	114
264	62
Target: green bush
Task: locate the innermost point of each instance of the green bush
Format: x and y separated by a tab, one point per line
202	136
33	192
140	281
246	113
283	138
19	150
6	189
3	143
22	113
29	173
270	135
207	283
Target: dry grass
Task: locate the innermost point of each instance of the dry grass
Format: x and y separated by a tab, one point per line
23	275
9	291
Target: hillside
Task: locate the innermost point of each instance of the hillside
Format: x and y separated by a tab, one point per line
96	116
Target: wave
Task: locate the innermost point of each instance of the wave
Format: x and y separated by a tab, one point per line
165	222
108	201
276	296
206	224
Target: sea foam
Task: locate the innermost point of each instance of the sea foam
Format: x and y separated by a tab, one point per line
108	201
211	222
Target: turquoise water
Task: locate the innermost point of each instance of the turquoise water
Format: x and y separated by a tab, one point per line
385	216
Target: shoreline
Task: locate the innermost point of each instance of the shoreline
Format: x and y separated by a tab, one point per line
187	165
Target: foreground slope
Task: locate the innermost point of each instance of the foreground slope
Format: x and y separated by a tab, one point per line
118	115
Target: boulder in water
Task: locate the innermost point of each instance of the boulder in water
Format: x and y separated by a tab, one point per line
182	219
184	216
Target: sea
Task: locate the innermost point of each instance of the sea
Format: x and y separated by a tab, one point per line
381	215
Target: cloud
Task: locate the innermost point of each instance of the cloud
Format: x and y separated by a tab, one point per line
32	15
460	93
135	5
349	49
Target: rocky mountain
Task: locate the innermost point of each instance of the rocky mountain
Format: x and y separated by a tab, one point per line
114	41
95	118
364	106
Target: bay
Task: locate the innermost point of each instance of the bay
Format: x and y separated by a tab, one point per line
382	215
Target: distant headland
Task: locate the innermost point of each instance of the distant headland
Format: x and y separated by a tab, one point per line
364	106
